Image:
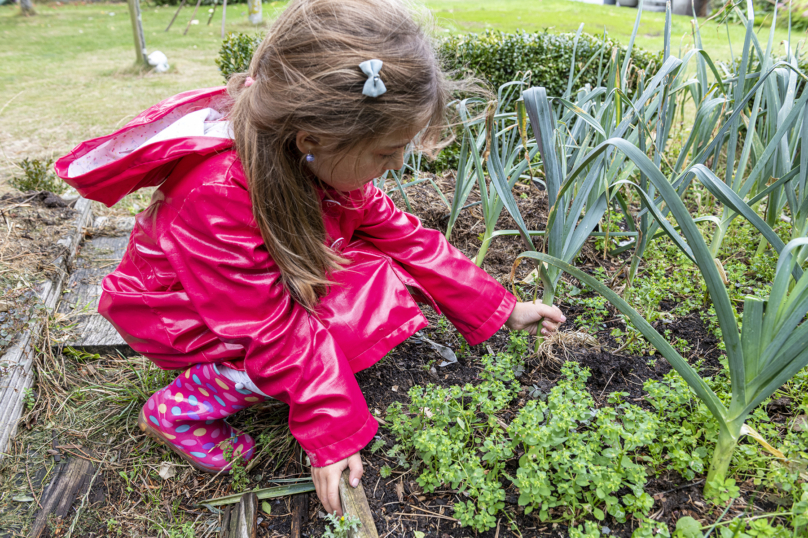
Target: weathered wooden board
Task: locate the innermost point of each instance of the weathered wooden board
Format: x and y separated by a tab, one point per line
241	521
71	481
91	332
355	503
19	359
300	514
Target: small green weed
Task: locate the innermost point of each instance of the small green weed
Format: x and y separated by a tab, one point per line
340	526
721	491
38	175
80	355
239	481
29	398
183	530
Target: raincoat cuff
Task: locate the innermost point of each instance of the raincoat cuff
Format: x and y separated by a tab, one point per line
326	455
494	322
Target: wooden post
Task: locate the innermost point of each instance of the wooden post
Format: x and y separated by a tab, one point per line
212	12
224	16
137	30
241	521
182	5
300	503
355	503
192	17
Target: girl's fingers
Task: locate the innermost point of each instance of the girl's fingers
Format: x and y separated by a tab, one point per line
333	493
355	465
321	491
553	313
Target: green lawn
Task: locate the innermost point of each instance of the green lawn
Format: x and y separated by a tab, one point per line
65	74
566	16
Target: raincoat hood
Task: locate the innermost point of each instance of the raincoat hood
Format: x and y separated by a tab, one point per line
145	151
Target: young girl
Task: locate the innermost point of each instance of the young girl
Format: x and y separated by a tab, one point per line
268	265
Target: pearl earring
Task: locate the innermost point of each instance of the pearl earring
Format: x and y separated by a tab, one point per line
309	158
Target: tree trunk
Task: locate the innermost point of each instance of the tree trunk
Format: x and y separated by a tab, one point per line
27	7
137	31
254	8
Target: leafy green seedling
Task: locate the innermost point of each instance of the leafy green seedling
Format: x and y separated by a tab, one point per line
687	527
340	526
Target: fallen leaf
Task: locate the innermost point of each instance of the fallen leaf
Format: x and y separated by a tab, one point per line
23	499
266	508
166	470
395	388
399	491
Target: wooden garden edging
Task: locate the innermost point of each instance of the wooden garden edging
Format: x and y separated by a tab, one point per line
241	520
19	359
355	503
99	256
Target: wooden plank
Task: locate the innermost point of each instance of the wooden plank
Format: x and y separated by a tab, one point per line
92	332
300	503
242	521
71	480
355	503
300	514
19	359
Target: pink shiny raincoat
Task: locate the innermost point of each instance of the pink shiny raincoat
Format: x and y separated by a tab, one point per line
197	284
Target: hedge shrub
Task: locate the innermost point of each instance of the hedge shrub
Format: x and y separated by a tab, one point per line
499	57
236	53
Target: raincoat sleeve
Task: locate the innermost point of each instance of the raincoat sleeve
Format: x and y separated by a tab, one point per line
471	299
222	263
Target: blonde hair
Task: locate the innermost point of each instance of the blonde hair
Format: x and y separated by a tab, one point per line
307	78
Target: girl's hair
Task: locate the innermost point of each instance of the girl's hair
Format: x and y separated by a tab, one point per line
307	78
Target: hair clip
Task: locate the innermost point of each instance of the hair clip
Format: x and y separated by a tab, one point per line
374	86
249	82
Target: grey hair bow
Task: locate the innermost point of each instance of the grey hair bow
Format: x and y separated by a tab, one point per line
374	86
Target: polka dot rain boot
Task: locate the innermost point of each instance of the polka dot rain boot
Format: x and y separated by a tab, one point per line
187	416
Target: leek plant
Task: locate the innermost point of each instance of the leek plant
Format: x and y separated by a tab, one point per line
504	155
565	135
773	130
773	343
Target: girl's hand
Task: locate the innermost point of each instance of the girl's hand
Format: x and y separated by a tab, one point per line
526	315
326	481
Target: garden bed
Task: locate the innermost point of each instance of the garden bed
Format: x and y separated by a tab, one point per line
103	393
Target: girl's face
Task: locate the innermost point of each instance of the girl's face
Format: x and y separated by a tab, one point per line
352	169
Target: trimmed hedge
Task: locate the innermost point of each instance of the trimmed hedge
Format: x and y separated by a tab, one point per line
499	57
495	57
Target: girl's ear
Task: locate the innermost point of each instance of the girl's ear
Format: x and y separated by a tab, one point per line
306	142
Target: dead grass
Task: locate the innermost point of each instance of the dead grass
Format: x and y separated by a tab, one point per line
85	407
